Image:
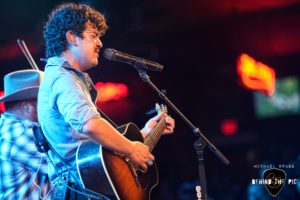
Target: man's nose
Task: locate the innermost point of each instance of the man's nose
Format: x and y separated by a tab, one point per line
99	43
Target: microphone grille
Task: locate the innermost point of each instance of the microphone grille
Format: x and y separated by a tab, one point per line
108	53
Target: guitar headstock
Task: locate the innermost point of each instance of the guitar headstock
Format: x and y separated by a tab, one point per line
161	108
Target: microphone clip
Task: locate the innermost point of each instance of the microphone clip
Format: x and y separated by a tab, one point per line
140	66
142	70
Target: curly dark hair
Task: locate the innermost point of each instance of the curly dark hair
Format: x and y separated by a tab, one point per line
69	16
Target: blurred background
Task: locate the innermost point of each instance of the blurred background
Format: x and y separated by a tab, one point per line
199	42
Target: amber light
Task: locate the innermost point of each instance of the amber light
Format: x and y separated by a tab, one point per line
256	75
111	91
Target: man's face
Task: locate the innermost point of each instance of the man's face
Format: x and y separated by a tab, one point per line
88	47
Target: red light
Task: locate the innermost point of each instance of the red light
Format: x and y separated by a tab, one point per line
256	75
12	51
2	108
111	91
229	127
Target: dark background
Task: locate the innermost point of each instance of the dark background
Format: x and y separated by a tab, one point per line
198	42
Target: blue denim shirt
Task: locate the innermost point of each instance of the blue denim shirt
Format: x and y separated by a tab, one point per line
66	101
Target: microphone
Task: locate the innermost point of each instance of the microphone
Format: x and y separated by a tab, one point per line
112	54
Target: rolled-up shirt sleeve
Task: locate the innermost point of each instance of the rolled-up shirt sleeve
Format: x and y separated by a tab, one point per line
71	98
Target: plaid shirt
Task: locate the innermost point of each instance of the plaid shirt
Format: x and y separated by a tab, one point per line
23	170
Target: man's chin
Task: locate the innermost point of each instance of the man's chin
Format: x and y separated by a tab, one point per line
95	63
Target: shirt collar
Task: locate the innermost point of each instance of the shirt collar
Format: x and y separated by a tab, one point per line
10	116
55	61
7	115
60	61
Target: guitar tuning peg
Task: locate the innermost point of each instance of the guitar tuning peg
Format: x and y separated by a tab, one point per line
164	109
150	112
157	109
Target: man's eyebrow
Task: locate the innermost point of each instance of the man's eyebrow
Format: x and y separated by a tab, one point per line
94	32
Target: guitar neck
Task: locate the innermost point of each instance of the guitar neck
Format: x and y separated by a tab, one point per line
153	137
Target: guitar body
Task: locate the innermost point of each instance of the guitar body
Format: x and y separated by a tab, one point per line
108	173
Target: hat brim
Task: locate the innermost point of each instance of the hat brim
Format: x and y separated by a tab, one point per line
25	94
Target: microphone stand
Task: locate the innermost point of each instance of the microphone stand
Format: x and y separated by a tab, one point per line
199	145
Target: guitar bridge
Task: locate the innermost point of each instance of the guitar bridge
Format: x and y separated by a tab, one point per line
133	168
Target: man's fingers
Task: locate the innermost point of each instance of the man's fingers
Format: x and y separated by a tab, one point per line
151	157
144	167
170	121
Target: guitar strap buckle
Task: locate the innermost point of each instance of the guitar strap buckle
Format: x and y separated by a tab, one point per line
60	190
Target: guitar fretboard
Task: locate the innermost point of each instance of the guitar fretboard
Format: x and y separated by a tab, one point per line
153	137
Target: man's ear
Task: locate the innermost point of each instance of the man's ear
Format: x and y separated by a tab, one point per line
71	38
25	107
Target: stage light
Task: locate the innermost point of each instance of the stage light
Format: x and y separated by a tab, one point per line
256	75
2	108
229	127
111	91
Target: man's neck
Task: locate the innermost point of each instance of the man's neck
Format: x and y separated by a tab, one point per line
15	113
67	55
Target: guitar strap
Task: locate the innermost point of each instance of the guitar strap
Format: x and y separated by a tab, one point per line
107	118
60	190
93	92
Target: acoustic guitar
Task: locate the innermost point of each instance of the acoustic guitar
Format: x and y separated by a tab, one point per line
113	174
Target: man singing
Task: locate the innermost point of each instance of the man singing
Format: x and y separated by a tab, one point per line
66	101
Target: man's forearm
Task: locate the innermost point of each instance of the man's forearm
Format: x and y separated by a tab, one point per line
99	130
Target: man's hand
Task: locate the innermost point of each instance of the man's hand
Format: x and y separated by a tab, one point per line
140	155
153	121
